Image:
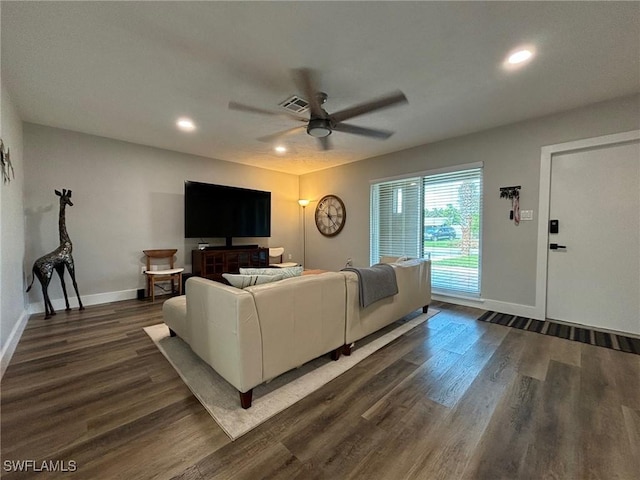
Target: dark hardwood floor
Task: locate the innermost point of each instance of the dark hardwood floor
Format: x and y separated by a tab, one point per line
454	398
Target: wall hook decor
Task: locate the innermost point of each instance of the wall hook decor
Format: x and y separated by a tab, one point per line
7	168
512	193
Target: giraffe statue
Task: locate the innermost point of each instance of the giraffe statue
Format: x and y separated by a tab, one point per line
44	266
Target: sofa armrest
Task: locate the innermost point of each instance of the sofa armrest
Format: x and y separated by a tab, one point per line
224	331
415	277
174	314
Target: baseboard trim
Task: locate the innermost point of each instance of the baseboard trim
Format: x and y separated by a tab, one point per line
528	311
95	299
12	342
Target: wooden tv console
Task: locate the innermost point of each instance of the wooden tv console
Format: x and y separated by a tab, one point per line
212	263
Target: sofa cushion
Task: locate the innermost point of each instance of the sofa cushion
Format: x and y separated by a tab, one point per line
244	281
286	272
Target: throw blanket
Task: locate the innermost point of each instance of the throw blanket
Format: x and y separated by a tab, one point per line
375	283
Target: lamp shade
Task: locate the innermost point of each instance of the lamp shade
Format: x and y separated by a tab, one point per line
303	202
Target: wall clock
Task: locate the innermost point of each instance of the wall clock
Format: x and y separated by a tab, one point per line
330	215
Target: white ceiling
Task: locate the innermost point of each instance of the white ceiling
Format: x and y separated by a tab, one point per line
128	70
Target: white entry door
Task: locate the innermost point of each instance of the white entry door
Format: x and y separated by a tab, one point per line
593	274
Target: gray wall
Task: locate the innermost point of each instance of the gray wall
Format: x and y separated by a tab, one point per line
128	198
511	156
12	297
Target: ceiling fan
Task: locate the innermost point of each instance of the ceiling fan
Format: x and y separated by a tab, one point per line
321	123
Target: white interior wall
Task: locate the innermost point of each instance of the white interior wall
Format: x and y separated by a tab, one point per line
13	315
128	198
511	156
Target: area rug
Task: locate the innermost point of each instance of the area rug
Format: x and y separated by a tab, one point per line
221	400
569	332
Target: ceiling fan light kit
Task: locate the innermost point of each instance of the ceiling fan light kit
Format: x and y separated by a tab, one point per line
321	123
319	127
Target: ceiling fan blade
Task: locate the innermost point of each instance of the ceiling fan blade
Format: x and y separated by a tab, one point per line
366	132
248	108
305	79
383	102
275	136
325	143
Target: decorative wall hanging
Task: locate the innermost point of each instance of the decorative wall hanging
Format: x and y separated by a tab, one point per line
58	259
512	193
7	168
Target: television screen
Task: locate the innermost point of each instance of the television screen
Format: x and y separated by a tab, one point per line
212	211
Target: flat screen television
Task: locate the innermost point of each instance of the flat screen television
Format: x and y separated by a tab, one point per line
220	211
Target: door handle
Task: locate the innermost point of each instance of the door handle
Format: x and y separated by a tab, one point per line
555	246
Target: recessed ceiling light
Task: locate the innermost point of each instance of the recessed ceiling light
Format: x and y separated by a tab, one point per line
520	56
185	124
280	149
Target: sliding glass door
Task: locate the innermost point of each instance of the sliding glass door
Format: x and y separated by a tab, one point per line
435	215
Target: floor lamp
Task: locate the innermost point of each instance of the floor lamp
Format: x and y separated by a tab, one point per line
303	203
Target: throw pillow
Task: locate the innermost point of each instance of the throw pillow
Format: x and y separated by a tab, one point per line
286	272
244	281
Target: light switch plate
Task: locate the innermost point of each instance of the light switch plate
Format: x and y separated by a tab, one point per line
526	214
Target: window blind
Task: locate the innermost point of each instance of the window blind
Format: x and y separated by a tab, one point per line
452	219
395	219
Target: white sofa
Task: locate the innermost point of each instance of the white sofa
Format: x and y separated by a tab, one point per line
252	335
414	292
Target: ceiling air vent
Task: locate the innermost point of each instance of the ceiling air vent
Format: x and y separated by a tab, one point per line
295	104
